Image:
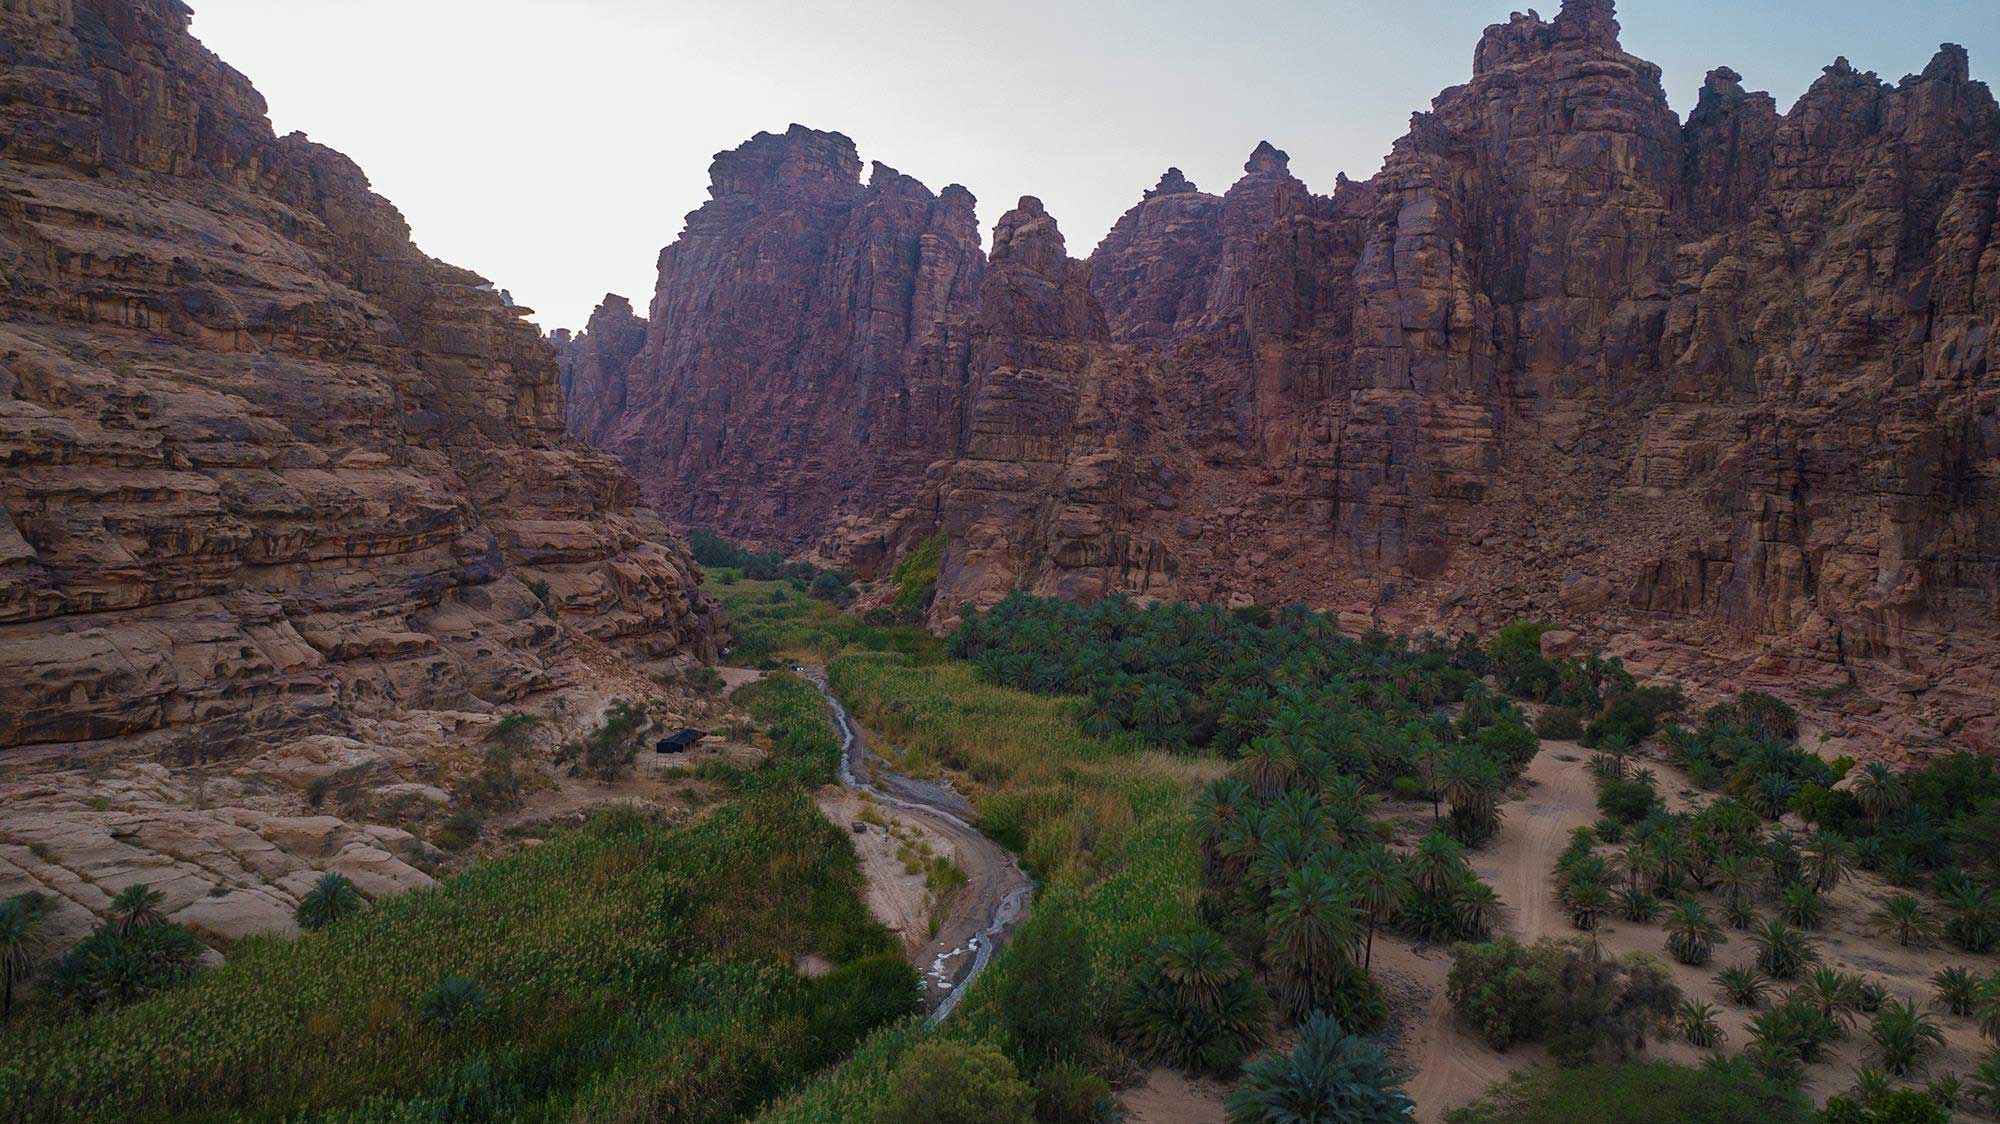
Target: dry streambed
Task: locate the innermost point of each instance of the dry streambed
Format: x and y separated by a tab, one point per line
979	915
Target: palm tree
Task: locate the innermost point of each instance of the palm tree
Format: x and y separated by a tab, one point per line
1217	807
136	907
1973	910
1201	964
1827	858
1437	864
1948	1090
1745	987
333	897
1985	1083
1986	1007
1833	993
1691	933
455	1002
1330	1075
1379	886
1429	761
1586	900
1904	1036
1638	906
1956	989
1268	766
21	943
1313	930
1878	790
1472	786
1871	1085
1475	903
1782	951
1801	905
1740	914
1697	1024
1905	917
1733	874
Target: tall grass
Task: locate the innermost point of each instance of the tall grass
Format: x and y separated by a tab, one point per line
600	949
774	621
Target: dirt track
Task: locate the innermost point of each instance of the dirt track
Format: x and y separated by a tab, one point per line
996	893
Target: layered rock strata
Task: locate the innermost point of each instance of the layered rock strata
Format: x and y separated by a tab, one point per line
270	473
1717	392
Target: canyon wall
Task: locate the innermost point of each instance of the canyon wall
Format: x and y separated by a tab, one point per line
269	470
1717	393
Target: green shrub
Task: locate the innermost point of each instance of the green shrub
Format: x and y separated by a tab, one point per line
957	1083
847	1004
1586	1007
916	577
1638	1093
1066	1093
1042	988
1560	723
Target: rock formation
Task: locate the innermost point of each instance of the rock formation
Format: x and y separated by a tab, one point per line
773	383
270	472
1717	392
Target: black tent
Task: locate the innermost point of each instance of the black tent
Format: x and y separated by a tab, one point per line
680	741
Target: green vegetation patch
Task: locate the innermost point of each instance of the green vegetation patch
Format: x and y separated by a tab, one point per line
625	969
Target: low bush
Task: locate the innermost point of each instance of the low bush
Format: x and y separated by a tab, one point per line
1638	1093
951	1082
1586	1007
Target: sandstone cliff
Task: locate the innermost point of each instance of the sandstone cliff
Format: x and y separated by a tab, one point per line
1719	391
272	476
773	383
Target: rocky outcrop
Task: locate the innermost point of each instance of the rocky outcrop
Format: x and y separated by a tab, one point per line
269	471
594	364
773	389
1718	391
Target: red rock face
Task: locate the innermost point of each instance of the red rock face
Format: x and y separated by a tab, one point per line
773	388
1717	393
268	469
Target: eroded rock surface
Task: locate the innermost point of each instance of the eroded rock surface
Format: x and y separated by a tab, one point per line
773	385
1719	390
270	473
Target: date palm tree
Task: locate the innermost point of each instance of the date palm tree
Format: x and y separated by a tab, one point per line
1696	1022
1745	987
1956	989
1313	929
1905	917
1827	860
1330	1075
1904	1037
1833	993
1801	905
1691	933
1268	766
22	942
1586	901
1475	903
1782	951
332	898
136	907
1437	864
1879	790
1379	885
1984	1083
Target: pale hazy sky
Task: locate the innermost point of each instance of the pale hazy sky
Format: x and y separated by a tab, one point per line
555	145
